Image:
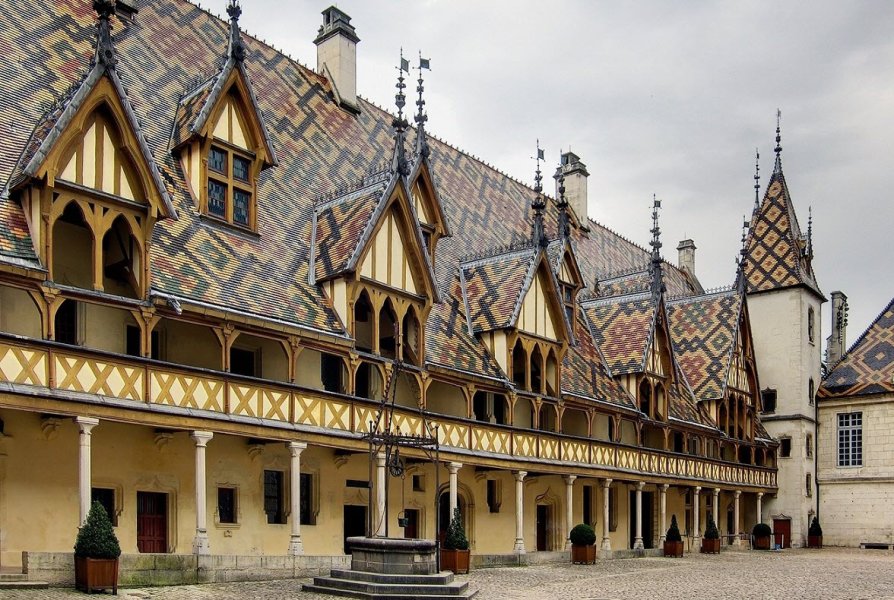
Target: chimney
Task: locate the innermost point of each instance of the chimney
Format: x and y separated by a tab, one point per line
575	186
337	56
686	259
836	343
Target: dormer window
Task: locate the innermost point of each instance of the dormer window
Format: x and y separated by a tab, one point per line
230	192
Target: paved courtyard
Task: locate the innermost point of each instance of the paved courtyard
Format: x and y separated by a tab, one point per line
788	575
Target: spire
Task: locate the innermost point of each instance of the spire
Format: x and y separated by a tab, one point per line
809	235
562	205
105	50
422	149
740	260
399	162
236	50
655	268
778	149
757	181
538	204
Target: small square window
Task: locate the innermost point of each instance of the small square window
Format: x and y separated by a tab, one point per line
418	483
226	505
217	160
106	497
217	198
768	399
240	168
785	447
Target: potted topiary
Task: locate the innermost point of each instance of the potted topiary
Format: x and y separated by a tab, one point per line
815	534
96	553
673	541
583	538
711	541
760	536
455	554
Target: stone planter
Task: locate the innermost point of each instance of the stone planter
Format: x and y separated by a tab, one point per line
673	549
455	560
814	541
761	542
710	546
583	555
93	574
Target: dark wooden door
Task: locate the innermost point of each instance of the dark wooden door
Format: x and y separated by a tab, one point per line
152	522
354	522
412	528
543	527
648	520
782	532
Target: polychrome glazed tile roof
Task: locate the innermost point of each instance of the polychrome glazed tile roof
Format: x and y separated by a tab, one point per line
585	373
622	327
703	331
493	288
868	367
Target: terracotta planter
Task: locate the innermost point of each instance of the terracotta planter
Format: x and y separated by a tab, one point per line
674	549
455	560
814	541
710	546
762	542
583	555
93	574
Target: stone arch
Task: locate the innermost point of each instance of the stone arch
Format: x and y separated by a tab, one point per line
549	534
465	500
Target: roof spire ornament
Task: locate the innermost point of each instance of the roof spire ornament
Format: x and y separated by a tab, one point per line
538	203
422	149
562	205
810	233
778	149
757	181
399	123
105	50
655	268
236	51
740	260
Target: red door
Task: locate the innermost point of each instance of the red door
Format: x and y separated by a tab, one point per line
152	522
782	533
412	528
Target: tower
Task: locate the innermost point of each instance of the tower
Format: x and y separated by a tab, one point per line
785	303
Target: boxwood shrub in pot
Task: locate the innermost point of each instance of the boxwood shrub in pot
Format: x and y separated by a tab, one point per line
455	554
761	534
815	534
96	553
711	541
673	541
582	539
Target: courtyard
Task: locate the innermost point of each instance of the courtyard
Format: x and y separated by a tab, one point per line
788	575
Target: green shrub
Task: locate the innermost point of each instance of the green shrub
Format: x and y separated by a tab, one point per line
456	535
761	530
582	535
711	532
815	529
96	539
673	532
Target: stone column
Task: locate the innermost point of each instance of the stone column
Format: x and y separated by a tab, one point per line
453	469
569	505
760	509
662	513
200	543
295	545
736	495
716	507
379	525
696	509
606	534
638	540
85	476
520	511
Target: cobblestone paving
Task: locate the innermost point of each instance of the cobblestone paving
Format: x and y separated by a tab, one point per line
789	575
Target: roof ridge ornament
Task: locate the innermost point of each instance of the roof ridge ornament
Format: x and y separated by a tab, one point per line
655	268
562	204
757	181
236	50
743	252
105	49
399	123
538	203
778	149
422	149
809	234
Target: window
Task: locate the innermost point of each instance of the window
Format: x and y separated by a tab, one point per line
613	509
811	391
850	439
493	495
306	501
810	325
678	442
785	447
66	323
106	497
229	186
808	482
244	362
133	342
809	445
226	505
567	291
589	515
273	497
331	370
418	483
768	400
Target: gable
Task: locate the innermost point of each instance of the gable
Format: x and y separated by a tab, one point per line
392	256
658	356
539	314
230	124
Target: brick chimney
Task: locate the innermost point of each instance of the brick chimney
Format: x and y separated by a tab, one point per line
836	343
337	56
686	259
575	186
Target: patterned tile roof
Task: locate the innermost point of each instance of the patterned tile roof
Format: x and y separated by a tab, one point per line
585	373
703	332
683	406
776	251
868	367
622	327
621	285
494	287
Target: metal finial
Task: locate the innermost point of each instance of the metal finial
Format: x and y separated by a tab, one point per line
778	148
421	118
538	176
399	163
562	204
757	179
655	267
105	50
236	51
810	232
538	204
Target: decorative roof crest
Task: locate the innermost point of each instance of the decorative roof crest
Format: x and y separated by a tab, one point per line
236	50
655	269
538	203
422	148
399	162
778	149
105	49
562	205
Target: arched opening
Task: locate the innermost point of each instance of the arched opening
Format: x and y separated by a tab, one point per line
19	313
411	345
489	407
722	418
645	397
444	515
321	371
66	325
523	415
519	366
660	402
122	260
368	382
547	419
552	375
73	248
446	399
388	331
363	322
189	344
537	371
406	391
574	422
255	356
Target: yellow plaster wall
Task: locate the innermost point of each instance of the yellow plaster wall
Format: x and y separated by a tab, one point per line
535	316
274	361
96	161
387	260
446	399
72	255
189	344
18	313
104	327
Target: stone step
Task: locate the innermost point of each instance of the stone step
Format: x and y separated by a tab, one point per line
8	576
409	595
6	584
453	590
442	578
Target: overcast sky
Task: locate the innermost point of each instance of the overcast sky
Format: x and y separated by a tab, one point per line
670	98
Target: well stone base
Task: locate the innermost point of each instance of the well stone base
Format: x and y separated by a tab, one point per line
395	556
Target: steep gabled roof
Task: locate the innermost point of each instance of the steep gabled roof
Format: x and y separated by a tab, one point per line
868	367
493	288
777	253
703	333
623	327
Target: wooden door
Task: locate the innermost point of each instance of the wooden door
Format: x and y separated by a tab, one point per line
412	528
152	522
354	523
782	532
543	527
